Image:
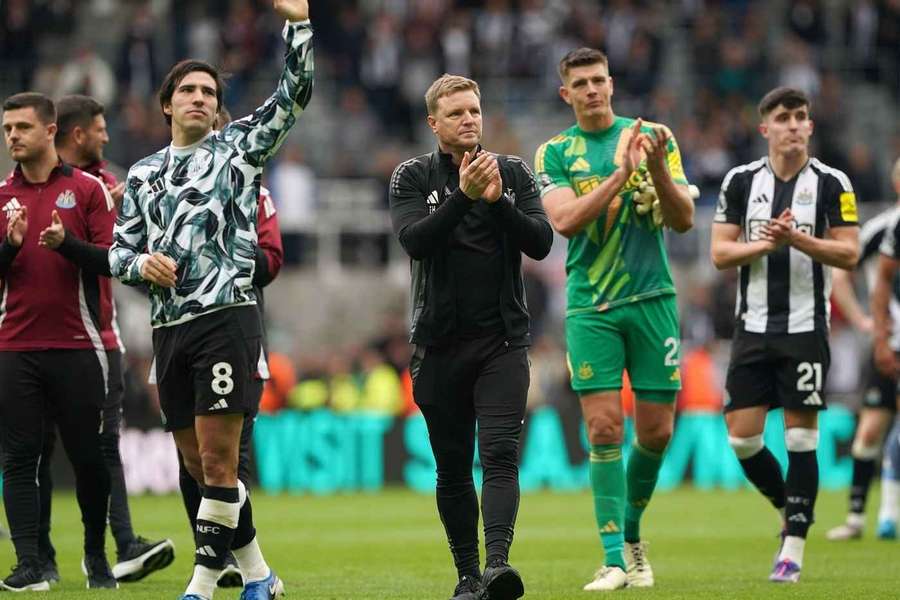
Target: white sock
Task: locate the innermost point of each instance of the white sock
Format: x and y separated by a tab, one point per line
890	497
203	582
250	560
792	549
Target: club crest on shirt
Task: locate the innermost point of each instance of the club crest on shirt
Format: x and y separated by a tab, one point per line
66	199
804	198
199	164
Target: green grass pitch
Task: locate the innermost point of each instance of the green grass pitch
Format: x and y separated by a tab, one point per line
391	545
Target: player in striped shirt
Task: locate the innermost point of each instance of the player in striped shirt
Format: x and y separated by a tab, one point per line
783	219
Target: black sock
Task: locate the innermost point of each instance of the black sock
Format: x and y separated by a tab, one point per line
191	494
215	520
863	471
245	531
763	471
801	488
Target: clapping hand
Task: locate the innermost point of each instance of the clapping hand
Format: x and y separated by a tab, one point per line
480	176
17	227
655	145
633	149
53	235
780	231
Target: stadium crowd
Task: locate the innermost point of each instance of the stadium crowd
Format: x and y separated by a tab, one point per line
376	57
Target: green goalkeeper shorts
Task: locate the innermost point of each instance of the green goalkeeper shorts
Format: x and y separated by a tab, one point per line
642	337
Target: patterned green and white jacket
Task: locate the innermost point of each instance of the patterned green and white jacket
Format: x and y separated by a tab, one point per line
198	204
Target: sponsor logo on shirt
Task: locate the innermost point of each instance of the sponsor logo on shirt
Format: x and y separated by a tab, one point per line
66	199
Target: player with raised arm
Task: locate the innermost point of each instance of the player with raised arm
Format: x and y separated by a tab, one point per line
269	258
783	219
609	184
188	228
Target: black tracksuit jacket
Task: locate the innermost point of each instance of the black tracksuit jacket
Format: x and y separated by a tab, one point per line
425	213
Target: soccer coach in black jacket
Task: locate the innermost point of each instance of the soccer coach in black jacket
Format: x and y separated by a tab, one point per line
464	216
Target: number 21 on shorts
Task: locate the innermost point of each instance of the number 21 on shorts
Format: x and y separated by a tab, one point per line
809	377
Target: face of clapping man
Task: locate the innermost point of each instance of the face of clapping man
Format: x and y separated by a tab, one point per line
787	129
194	104
27	137
457	121
588	90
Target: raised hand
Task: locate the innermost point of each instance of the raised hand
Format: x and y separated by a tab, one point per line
476	175
52	236
160	269
292	10
17	227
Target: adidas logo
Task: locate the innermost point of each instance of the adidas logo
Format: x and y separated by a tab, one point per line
761	199
432	199
610	527
580	165
206	551
219	405
798	518
813	400
11	207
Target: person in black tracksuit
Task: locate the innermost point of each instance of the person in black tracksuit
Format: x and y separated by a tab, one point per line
464	216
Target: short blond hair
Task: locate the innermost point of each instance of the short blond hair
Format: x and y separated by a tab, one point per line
895	172
445	85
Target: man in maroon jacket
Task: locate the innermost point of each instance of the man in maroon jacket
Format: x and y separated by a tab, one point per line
55	329
80	138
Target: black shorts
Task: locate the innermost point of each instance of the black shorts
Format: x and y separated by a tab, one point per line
207	365
787	371
881	391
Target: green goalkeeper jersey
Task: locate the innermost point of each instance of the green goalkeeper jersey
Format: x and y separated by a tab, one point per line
619	258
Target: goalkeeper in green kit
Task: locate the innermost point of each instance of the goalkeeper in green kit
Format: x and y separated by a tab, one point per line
609	184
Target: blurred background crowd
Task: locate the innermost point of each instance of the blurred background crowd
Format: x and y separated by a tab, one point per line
337	316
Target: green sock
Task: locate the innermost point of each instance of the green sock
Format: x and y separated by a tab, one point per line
608	487
643	470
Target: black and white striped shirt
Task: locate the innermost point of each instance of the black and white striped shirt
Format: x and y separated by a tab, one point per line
889	245
785	291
